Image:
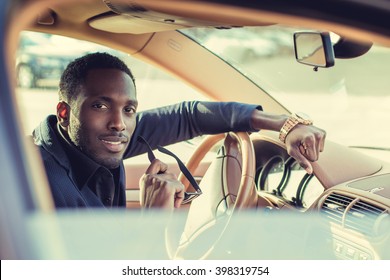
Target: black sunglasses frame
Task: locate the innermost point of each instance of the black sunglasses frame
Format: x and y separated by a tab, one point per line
188	196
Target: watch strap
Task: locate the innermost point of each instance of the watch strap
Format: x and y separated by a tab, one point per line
290	123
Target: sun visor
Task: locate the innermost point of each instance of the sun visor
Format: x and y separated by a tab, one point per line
130	24
135	19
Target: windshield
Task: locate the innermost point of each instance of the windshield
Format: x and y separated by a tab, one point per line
350	100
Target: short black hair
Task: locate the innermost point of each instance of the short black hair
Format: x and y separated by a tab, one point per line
76	72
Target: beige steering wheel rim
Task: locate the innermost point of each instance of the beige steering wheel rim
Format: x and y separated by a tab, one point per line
246	196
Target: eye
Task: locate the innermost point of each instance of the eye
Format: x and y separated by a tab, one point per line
99	106
130	110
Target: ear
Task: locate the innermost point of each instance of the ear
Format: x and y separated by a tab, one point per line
63	111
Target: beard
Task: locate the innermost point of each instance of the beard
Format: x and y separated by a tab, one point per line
78	135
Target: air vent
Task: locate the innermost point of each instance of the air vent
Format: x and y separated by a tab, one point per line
362	217
334	207
352	213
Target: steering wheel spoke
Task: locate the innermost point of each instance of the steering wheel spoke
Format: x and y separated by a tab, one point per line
228	186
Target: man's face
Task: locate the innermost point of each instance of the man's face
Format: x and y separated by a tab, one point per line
102	118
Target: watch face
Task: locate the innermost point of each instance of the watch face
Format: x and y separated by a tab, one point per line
304	117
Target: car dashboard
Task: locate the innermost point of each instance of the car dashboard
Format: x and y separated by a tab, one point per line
350	192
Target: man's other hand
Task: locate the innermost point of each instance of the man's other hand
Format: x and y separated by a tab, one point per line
159	188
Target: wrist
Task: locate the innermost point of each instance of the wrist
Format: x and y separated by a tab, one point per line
262	120
292	121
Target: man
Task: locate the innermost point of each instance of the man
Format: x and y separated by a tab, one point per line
97	125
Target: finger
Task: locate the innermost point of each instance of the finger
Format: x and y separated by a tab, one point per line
156	167
321	145
146	188
319	142
310	146
305	164
322	141
310	153
298	155
302	149
142	190
318	148
179	195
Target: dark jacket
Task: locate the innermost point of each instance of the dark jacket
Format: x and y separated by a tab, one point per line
161	126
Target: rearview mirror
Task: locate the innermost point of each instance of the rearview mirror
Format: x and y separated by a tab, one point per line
314	48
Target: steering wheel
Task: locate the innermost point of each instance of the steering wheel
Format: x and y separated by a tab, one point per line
239	168
228	186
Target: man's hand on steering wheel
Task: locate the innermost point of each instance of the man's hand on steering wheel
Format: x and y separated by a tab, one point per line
304	143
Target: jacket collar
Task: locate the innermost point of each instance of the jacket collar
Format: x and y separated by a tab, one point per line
79	166
45	135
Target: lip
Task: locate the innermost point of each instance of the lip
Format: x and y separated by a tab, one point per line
114	144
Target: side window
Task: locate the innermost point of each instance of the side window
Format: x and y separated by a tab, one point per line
41	59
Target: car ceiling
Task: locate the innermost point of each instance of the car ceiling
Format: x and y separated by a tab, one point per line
94	18
144	24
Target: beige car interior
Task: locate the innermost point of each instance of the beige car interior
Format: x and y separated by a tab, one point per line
147	31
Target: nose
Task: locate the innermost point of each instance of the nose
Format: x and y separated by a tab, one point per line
117	121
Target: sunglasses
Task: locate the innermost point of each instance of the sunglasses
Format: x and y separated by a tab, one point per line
188	196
